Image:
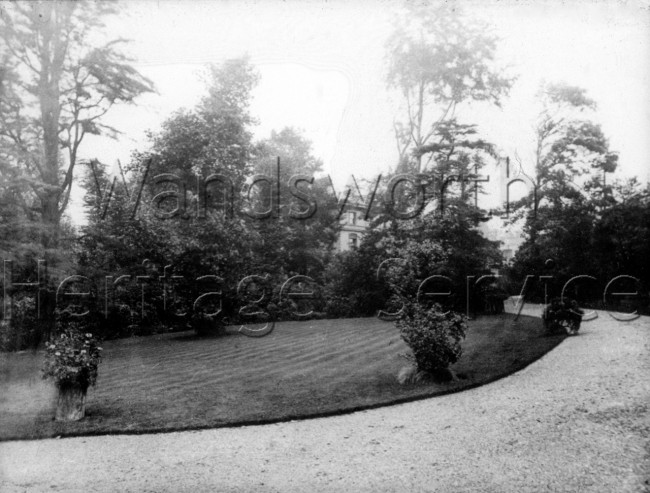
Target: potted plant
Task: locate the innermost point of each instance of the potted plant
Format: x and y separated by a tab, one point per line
563	316
71	360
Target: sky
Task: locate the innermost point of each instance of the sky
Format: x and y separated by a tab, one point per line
323	70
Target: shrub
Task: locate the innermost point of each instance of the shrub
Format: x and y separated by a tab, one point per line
339	307
24	330
205	325
351	288
562	316
393	309
72	357
433	335
285	309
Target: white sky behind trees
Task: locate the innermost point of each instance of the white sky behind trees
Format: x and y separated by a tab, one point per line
323	67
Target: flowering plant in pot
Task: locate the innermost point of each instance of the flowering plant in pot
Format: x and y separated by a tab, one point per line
71	360
562	316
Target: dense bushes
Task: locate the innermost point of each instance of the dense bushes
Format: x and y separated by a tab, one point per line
434	336
351	287
205	325
24	329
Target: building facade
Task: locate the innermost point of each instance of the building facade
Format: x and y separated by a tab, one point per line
353	228
510	235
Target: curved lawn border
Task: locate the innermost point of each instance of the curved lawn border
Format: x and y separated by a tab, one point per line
406	394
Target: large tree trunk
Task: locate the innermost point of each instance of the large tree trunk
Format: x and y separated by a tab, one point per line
71	403
52	58
51	220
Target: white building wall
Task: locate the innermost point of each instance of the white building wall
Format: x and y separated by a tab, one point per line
352	223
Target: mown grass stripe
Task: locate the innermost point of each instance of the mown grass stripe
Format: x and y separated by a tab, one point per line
178	381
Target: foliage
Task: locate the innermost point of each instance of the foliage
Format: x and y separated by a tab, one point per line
23	330
434	336
119	241
396	257
204	324
72	357
57	84
621	234
448	246
569	193
339	307
351	286
562	315
572	154
211	237
59	77
438	58
287	243
585	224
213	137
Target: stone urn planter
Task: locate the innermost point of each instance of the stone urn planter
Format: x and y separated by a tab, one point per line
71	360
562	316
71	402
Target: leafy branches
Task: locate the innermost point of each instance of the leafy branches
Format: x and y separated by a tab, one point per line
437	59
58	82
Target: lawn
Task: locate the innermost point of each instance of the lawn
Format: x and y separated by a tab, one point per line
179	381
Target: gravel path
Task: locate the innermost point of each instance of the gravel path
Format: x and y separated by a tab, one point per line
576	420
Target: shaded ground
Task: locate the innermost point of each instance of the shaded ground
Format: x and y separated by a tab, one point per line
578	419
179	381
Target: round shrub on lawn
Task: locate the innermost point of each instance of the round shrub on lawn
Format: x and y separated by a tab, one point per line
433	335
206	325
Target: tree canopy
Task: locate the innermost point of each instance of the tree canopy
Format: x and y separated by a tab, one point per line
438	58
58	82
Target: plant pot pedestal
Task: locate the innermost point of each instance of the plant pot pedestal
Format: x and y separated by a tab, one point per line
71	403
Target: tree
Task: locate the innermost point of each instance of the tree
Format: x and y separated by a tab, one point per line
571	153
208	237
570	161
118	243
205	238
57	84
213	137
439	58
352	287
299	238
621	236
